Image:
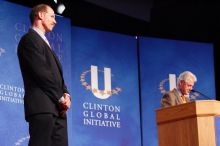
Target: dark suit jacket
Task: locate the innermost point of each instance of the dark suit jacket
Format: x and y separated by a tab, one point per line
42	75
172	98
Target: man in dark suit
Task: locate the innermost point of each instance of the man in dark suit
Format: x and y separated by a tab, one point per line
46	97
180	94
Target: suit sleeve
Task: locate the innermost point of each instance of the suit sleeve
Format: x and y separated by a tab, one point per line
32	54
65	90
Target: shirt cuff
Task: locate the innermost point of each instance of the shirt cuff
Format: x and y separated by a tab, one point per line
61	99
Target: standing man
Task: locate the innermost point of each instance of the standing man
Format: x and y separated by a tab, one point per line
46	99
180	95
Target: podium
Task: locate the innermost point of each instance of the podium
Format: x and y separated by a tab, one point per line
189	124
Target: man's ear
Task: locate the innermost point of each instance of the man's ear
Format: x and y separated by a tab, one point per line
40	15
182	82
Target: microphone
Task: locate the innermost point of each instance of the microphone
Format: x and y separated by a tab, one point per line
201	94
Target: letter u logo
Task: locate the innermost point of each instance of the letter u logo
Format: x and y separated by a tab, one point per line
101	94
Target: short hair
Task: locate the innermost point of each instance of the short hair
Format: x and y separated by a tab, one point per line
186	76
35	10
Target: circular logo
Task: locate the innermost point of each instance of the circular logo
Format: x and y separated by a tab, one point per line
102	94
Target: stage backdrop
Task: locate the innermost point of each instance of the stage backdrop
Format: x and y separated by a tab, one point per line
105	89
14	22
217	127
158	59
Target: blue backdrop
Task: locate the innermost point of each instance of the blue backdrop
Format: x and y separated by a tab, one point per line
217	127
101	72
118	53
14	22
158	59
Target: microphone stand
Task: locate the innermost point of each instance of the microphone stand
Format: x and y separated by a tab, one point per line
202	94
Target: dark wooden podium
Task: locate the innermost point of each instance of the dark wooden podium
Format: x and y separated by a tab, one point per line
190	124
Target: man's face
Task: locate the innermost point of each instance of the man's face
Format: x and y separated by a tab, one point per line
48	20
186	87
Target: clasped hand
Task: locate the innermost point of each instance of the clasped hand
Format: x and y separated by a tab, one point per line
66	103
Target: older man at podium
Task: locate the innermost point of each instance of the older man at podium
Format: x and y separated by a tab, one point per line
180	95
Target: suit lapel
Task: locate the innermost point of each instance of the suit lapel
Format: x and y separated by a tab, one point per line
57	61
178	100
178	97
50	50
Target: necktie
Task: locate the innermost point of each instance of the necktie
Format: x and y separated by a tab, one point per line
183	98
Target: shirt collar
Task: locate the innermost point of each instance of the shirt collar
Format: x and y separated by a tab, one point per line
40	32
